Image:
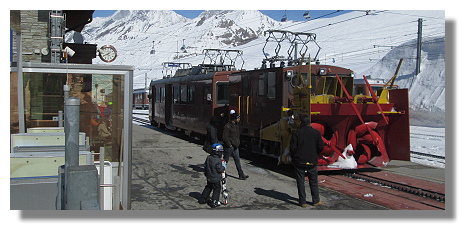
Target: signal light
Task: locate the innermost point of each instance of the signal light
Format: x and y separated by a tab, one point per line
290	73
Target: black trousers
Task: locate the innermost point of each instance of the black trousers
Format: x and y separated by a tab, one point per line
312	174
215	188
235	152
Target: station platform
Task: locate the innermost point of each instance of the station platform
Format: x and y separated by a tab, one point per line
168	175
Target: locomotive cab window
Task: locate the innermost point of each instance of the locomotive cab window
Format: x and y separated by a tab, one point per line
222	91
267	85
261	86
271	85
296	82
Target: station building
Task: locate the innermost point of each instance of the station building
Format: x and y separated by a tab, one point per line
44	72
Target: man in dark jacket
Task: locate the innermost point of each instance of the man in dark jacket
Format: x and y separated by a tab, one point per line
211	137
213	169
231	138
306	143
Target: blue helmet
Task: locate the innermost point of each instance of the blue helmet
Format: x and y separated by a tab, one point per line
217	148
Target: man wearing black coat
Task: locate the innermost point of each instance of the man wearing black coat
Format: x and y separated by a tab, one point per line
231	138
211	137
305	145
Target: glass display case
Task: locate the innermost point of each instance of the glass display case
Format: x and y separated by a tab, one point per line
105	94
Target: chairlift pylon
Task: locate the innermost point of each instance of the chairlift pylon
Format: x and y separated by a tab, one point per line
153	48
183	48
307	15
284	18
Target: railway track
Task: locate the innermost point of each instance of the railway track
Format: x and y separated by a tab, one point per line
401	186
427	155
389	190
140	120
434	160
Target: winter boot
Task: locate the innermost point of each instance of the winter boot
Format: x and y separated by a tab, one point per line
214	203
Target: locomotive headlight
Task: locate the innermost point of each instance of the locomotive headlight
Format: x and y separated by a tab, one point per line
290	73
322	71
353	75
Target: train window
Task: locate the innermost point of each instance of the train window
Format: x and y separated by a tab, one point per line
261	86
359	90
191	90
296	82
162	94
207	95
184	94
222	92
246	86
176	94
272	85
155	95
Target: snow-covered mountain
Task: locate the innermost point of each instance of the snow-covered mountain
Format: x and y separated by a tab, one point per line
427	89
171	36
368	42
129	25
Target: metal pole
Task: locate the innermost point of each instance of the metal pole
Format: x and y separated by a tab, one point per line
19	58
66	96
72	123
89	159
418	52
101	177
61	118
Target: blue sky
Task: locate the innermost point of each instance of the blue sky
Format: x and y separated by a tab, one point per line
275	14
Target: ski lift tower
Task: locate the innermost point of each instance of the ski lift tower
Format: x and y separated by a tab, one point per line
307	15
183	48
284	18
152	52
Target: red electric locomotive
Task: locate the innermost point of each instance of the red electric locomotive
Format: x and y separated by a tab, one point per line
271	100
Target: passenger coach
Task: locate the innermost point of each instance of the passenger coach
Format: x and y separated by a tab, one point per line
190	98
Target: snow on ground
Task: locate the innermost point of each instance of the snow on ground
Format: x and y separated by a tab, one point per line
428	140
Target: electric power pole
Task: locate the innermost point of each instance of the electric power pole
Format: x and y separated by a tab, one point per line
418	52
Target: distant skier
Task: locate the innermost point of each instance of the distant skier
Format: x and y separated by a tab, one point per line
213	169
